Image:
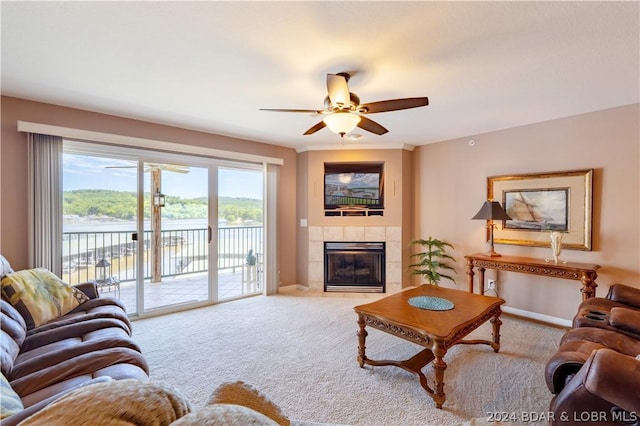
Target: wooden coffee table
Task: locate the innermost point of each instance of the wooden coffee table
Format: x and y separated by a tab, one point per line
436	330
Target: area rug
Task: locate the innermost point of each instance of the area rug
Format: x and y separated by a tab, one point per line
301	352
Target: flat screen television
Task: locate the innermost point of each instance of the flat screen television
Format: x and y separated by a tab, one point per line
359	185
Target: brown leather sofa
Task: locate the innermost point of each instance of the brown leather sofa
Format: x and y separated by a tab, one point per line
92	343
595	374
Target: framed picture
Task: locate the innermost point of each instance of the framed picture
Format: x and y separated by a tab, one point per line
543	202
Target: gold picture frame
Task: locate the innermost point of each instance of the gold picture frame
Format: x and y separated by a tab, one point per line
544	202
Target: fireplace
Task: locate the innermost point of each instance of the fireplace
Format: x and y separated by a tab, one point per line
354	267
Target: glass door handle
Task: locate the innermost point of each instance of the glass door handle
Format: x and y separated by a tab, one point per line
210	234
134	236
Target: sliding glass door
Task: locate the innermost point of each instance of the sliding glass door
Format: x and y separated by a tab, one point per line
177	235
100	211
240	231
162	231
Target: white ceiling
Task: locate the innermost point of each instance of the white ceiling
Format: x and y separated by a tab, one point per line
210	65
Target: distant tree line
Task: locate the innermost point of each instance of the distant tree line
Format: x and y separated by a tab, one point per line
122	205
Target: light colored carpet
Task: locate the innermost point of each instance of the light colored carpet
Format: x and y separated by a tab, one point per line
301	352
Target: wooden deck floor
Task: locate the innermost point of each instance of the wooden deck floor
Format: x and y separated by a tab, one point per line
181	289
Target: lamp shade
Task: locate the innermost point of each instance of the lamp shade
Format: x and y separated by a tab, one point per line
492	210
342	122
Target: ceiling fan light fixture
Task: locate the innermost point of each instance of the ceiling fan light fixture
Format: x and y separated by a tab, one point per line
342	122
343	111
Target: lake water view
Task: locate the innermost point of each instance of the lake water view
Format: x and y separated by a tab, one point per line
184	247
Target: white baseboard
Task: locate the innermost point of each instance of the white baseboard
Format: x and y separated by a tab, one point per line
290	287
536	316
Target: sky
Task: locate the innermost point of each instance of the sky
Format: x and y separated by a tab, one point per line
89	172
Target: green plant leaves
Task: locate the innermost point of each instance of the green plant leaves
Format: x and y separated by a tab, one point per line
433	260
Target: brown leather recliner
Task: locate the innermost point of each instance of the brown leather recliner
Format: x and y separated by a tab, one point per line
601	322
606	391
595	373
576	346
618	311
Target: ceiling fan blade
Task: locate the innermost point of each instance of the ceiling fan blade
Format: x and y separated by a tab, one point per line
175	169
316	111
338	90
392	105
371	126
166	168
315	128
151	166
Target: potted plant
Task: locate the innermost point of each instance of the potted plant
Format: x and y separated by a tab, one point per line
433	261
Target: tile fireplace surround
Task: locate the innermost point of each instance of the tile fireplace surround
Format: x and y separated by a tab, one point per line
391	235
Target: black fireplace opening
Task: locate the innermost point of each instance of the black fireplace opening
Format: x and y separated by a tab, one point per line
354	267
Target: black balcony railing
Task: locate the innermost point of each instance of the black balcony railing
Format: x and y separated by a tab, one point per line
348	200
182	251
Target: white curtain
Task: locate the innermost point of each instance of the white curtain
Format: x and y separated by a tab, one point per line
271	262
45	202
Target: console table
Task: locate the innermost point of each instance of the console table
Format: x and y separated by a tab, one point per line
583	272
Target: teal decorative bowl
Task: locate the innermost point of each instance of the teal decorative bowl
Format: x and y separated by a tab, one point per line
431	303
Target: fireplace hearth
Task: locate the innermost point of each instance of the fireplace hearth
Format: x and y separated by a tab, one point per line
354	267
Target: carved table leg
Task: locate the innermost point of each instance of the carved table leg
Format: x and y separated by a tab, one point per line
588	285
496	323
362	336
481	280
470	274
439	366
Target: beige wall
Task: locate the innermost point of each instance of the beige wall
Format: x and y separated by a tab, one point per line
302	255
13	173
393	166
451	186
408	215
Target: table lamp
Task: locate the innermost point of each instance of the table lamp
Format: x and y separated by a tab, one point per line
490	211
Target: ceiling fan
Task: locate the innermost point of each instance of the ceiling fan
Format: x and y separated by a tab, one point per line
343	110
